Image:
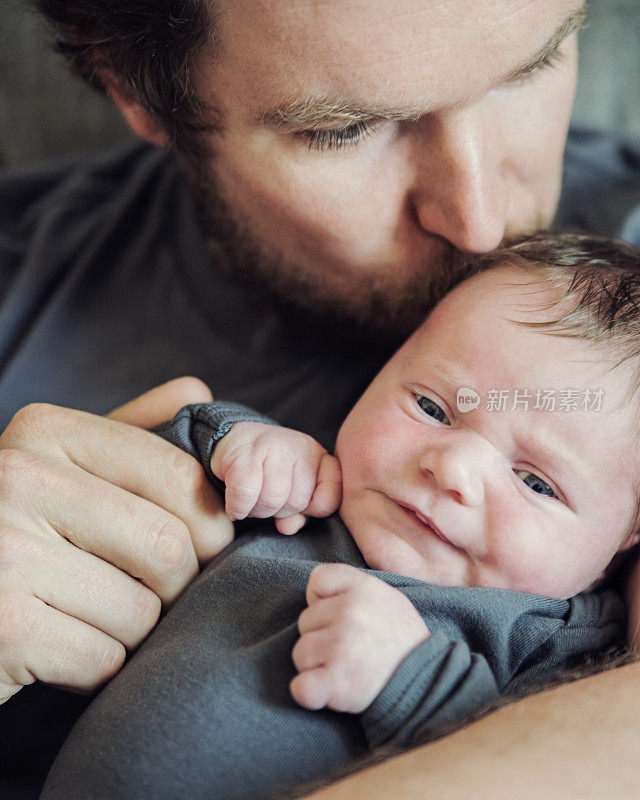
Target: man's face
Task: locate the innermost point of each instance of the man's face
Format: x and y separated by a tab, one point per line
532	500
365	141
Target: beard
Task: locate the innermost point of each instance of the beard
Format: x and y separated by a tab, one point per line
372	308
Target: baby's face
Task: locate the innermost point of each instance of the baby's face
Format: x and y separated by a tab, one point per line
531	500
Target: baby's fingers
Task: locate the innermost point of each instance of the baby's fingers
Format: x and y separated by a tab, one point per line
312	689
327	580
290	525
243	484
303	483
327	496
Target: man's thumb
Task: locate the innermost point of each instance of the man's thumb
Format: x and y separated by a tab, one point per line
162	402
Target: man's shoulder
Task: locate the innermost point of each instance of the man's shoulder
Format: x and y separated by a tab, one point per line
75	187
601	184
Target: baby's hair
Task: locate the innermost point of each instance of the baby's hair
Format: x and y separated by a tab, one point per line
598	278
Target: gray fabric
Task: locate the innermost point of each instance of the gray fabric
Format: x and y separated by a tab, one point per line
601	185
105	285
197	428
203	709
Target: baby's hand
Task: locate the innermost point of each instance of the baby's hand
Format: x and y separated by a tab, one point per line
354	633
277	472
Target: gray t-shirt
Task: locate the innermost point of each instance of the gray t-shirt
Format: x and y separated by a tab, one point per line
203	709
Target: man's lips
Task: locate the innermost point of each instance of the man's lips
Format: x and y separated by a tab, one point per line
425	522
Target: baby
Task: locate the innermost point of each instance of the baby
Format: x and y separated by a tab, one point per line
533	489
486	480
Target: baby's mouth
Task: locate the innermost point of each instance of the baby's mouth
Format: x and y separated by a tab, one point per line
424	521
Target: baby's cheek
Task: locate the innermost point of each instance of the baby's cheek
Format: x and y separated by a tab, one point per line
357	452
516	548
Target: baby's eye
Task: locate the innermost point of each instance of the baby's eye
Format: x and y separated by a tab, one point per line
432	409
535	483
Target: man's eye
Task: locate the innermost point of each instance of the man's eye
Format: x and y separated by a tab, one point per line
337	138
550	61
535	483
432	409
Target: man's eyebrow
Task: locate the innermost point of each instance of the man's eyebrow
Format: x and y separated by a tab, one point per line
318	112
572	24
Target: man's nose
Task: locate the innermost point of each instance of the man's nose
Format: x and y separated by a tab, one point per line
458	467
461	185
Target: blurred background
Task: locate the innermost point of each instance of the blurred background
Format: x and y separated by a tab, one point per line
44	112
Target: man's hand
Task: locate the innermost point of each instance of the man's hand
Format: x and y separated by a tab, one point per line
353	635
100	523
276	472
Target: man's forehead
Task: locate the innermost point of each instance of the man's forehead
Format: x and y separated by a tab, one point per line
412	54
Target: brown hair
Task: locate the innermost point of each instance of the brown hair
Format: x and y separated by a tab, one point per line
149	46
598	276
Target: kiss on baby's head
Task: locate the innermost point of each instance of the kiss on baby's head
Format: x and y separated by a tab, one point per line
536	488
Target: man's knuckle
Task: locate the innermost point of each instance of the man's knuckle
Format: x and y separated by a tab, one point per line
169	542
147	608
18	469
35	420
12	546
184	476
107	659
26	419
21	553
16	621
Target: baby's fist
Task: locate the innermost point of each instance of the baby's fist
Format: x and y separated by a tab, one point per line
271	471
353	635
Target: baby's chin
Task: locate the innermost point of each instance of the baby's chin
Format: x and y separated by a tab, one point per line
385	551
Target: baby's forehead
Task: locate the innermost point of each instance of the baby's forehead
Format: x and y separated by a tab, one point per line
493	300
507	286
504	322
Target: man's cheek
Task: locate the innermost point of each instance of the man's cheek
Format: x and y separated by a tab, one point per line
342	203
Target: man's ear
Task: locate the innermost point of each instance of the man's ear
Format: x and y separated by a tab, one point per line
631	541
138	119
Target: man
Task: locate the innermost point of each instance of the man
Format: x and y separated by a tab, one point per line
339	154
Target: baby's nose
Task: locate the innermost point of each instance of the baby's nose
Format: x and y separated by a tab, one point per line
457	467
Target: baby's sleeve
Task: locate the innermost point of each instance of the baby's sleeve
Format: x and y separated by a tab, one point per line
438	687
197	429
514	643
